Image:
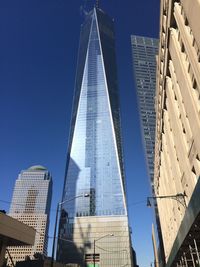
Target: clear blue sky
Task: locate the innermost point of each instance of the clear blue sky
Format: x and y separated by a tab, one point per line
38	54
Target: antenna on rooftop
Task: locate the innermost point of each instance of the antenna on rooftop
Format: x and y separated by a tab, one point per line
97	3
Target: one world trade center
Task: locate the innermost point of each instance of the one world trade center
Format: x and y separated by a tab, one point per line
94	230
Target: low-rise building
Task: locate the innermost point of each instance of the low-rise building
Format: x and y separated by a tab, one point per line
43	263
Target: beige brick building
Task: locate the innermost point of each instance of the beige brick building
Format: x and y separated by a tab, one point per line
177	151
31	203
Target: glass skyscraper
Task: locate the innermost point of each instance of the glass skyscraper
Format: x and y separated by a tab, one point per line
94	160
31	203
144	52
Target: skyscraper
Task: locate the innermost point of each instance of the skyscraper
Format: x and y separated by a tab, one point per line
98	225
144	52
31	205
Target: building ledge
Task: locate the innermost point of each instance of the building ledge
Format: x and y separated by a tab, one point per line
15	233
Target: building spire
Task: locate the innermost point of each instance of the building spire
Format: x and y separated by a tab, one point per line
97	3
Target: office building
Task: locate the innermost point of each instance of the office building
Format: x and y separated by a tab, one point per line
144	52
97	225
177	149
31	203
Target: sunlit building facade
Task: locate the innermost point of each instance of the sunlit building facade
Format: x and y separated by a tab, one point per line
177	150
94	162
31	203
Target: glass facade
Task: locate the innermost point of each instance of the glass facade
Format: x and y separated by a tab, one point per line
94	161
94	157
144	51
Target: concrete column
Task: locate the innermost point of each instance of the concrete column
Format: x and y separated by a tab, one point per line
180	263
197	252
191	253
185	259
183	262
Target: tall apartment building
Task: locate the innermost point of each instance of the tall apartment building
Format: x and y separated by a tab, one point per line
31	203
144	52
97	226
177	152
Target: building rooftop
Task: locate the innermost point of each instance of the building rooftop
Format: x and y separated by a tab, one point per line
37	168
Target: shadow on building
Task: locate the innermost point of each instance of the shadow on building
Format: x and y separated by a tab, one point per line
67	251
42	263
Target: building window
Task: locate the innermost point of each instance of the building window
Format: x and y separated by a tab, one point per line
194	171
182	47
89	258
